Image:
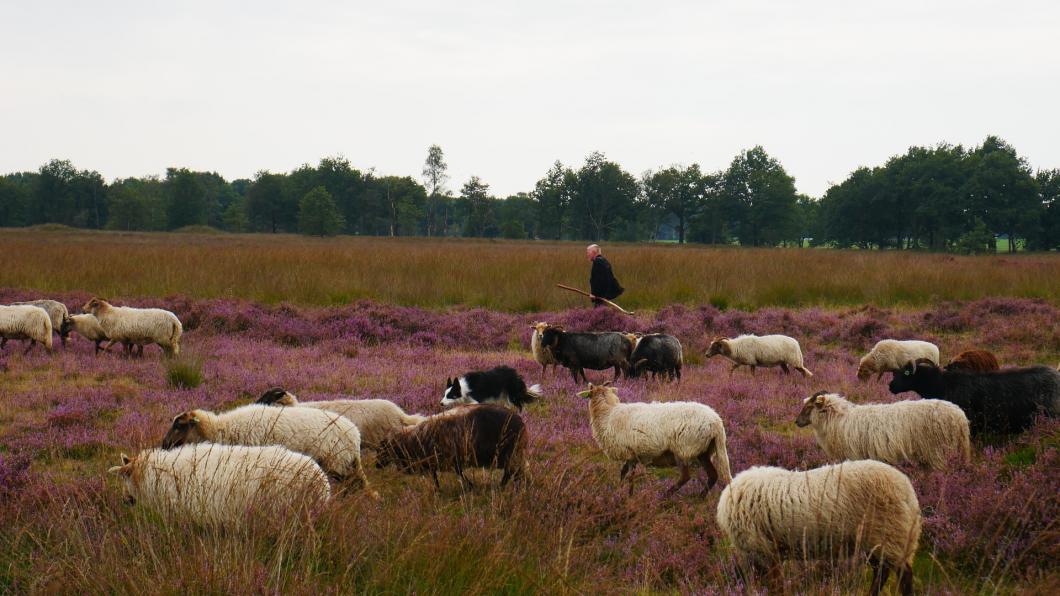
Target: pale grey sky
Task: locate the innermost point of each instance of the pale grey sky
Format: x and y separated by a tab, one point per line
130	88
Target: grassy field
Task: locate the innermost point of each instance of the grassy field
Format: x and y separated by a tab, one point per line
501	275
989	527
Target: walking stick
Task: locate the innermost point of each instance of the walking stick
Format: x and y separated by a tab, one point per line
604	300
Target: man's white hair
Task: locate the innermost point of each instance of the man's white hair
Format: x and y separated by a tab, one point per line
595	247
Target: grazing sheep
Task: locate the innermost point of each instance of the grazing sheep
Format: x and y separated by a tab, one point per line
853	508
333	441
659	434
501	385
543	355
219	484
485	436
974	360
1003	401
25	322
760	350
57	312
88	327
890	355
927	431
137	325
657	353
375	418
595	351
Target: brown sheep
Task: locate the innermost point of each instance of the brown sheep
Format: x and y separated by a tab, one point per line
974	360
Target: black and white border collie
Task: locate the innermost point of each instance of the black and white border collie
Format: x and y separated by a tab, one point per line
501	385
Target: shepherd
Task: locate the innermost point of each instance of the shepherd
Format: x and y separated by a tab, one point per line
602	282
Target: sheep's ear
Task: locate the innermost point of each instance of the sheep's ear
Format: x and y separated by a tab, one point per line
584	394
125	459
606	384
819	400
115	469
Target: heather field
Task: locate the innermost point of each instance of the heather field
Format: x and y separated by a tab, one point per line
990	527
515	276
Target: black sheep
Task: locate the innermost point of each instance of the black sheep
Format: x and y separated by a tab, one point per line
1004	401
595	351
657	353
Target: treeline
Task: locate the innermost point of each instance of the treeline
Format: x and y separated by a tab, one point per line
939	198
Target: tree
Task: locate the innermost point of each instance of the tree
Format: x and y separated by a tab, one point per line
552	195
759	197
1048	229
603	198
1002	191
269	208
517	216
481	219
318	215
677	191
434	176
14	200
186	198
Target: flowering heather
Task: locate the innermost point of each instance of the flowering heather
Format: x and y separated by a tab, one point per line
64	419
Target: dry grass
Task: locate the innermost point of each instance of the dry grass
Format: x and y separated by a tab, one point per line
505	275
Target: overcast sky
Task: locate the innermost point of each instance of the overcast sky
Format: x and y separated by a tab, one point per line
130	88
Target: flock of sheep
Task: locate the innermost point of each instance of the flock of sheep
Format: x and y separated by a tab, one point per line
281	454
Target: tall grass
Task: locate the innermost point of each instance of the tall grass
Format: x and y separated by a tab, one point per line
503	275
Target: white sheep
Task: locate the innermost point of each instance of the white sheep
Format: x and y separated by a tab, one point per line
215	484
760	350
332	440
57	312
542	355
889	355
137	326
660	434
853	508
375	418
926	431
88	327
25	322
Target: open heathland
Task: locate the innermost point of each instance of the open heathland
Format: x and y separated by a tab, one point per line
501	275
990	526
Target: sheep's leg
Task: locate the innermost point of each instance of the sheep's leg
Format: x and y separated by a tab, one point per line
618	371
905	580
880	571
685	475
709	469
32	343
735	365
784	368
3	342
626	469
753	368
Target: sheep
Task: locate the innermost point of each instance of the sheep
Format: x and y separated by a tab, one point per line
659	434
1003	401
760	350
214	484
852	508
974	360
137	325
928	431
25	322
375	418
658	353
542	355
484	436
87	326
57	312
595	351
890	355
332	440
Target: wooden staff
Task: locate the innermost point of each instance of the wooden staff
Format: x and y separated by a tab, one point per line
604	300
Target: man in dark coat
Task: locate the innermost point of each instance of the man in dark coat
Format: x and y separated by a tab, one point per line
602	282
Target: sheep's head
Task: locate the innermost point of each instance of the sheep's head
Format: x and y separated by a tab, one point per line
638	367
65	327
539	326
125	472
384	453
812	407
917	376
278	396
550	336
604	391
865	370
185	429
94	305
719	347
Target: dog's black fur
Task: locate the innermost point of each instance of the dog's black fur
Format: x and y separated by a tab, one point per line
501	384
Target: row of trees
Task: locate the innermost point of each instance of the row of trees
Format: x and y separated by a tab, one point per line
941	198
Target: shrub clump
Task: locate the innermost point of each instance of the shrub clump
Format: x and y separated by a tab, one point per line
184	372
